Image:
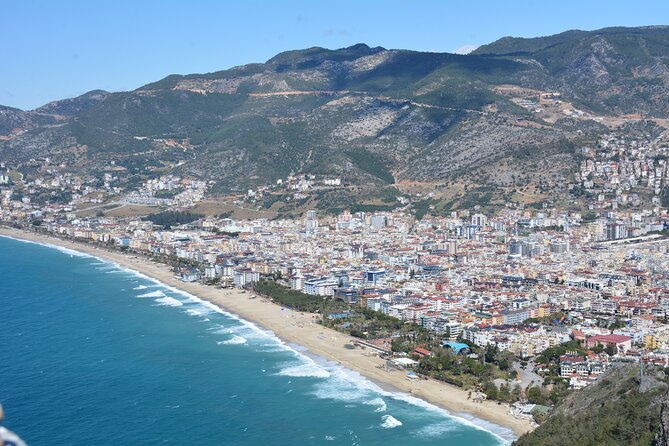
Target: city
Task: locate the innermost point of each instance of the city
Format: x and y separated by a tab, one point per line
522	281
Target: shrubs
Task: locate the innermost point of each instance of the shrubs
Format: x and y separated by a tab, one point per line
296	299
168	219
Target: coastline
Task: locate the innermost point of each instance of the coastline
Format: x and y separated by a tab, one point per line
300	328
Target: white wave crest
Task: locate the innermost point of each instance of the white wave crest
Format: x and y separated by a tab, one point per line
235	340
304	370
379	403
390	422
152	294
140	287
169	301
436	430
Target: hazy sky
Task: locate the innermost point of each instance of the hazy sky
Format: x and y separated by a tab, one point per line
57	49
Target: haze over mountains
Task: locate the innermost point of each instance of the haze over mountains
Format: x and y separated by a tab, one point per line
373	117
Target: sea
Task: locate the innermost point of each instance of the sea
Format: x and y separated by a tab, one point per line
95	354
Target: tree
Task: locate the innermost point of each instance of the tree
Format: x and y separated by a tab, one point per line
358	334
504	394
536	395
490	390
490	352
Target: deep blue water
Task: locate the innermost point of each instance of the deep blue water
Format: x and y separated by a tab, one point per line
92	354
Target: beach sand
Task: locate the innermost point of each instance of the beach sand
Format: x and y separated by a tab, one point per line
302	329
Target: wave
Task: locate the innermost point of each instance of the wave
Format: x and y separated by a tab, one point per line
169	301
107	267
390	422
140	287
379	403
235	340
270	349
152	294
200	314
304	370
435	430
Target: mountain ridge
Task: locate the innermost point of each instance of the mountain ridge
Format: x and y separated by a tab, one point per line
437	118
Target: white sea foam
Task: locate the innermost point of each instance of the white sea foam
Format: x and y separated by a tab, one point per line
152	294
169	301
195	313
270	349
304	370
435	430
140	287
348	385
379	403
390	422
235	340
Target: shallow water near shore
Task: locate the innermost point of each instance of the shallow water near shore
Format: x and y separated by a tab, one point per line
96	354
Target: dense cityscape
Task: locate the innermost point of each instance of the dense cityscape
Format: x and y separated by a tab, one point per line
589	285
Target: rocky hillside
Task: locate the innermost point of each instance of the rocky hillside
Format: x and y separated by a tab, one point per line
613	70
368	115
622	408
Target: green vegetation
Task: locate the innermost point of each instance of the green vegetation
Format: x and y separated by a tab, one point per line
168	219
421	208
296	299
589	217
472	372
621	409
370	163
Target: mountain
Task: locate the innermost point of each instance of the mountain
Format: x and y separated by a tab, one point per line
375	117
612	70
623	408
13	118
73	106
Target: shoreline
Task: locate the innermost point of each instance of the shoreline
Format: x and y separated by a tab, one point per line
293	327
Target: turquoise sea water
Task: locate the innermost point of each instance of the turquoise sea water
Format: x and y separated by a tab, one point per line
93	354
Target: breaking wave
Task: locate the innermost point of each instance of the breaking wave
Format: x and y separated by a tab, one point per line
390	422
235	340
379	403
152	294
169	301
305	370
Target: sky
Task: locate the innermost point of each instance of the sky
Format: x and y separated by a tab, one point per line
58	49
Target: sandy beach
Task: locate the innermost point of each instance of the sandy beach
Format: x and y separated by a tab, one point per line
301	328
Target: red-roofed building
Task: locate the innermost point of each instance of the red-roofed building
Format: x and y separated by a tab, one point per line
620	342
421	352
